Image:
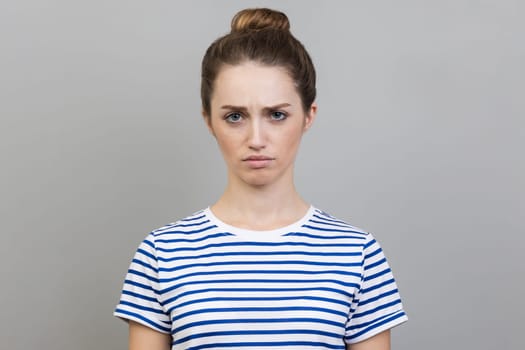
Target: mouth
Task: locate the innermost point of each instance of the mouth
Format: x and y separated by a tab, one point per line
258	162
254	158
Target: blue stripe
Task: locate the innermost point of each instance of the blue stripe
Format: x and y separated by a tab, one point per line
140	317
256	254
141	307
372	242
375	275
381	307
282	298
380	285
140	262
258	309
142	274
257	272
171	226
257	320
189	225
178	223
309	235
137	284
376	298
146	253
157	234
176	286
379	324
140	296
375	252
330	218
257	332
330	230
146	241
183	240
365	324
377	263
330	224
240	263
258	244
259	290
257	345
195	218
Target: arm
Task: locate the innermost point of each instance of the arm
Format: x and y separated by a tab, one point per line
379	341
145	338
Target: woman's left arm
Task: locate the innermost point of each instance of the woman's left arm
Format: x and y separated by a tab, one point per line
379	341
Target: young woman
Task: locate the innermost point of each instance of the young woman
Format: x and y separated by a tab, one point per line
261	268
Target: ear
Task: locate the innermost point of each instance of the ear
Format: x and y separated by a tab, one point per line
310	117
207	120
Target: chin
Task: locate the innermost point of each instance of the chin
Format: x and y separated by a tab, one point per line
259	181
259	178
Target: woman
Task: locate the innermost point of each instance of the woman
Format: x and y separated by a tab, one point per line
261	268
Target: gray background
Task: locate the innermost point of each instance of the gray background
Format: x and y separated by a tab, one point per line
419	139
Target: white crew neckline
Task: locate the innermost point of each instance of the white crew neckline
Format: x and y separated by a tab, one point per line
259	234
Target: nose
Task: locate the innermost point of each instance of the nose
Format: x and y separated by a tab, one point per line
256	139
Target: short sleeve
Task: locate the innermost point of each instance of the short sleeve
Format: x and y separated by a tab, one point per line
377	305
139	300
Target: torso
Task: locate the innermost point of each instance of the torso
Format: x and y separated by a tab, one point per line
294	285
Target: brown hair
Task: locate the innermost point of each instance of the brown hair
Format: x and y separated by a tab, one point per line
261	35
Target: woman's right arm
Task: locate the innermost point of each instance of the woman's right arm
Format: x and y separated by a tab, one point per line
145	338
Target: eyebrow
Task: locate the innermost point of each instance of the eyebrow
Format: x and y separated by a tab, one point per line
244	109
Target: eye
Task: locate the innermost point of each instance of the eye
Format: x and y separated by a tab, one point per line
233	118
278	115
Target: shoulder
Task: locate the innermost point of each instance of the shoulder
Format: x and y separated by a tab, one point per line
192	223
322	220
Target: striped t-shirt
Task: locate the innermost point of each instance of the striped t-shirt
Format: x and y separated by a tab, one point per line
319	283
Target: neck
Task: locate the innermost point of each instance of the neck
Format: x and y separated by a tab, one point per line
260	207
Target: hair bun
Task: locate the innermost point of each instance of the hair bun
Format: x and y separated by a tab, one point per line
259	18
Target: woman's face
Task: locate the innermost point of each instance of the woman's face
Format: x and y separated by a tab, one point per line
258	120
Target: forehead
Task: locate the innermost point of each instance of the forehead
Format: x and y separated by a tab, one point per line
251	83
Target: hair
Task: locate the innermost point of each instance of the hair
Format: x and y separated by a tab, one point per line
261	35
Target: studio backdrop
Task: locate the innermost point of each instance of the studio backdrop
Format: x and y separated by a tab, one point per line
419	139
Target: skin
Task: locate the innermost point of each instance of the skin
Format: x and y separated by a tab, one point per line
379	341
255	112
146	338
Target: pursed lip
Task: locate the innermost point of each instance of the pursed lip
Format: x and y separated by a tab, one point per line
257	157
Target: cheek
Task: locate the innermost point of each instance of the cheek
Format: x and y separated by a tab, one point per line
226	143
224	146
291	140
